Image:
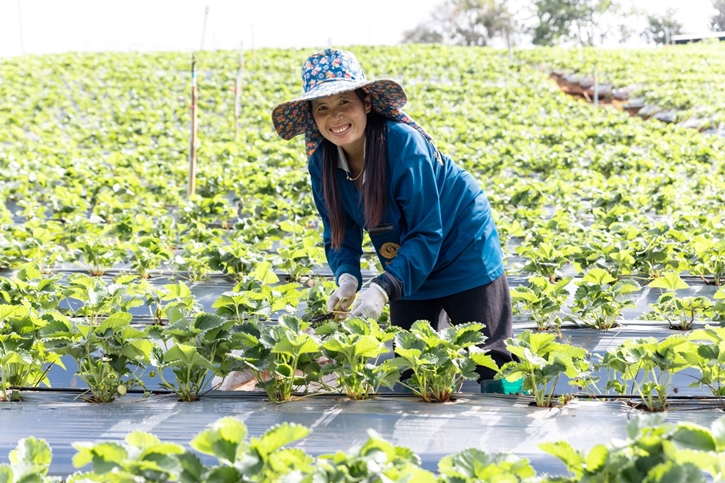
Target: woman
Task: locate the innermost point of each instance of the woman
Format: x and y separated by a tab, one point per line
372	167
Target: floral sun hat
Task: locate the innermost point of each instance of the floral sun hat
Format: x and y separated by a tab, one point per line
331	72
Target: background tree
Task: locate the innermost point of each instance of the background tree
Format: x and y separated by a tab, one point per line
661	28
464	22
717	21
587	22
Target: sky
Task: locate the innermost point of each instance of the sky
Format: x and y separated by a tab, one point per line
56	26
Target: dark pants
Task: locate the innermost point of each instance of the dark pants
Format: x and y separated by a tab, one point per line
488	304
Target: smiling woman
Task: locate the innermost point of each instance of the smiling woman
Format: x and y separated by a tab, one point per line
374	168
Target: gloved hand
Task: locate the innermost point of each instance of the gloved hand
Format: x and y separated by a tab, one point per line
369	304
345	293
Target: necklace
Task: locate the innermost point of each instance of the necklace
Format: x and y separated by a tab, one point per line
347	175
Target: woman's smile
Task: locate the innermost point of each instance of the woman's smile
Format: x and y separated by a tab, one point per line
342	119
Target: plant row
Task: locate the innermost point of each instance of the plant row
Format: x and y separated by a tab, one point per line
600	298
291	358
653	451
685	78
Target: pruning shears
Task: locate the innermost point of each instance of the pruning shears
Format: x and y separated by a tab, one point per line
335	315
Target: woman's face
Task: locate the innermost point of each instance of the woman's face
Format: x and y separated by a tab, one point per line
341	118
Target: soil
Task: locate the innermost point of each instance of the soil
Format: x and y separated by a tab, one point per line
578	91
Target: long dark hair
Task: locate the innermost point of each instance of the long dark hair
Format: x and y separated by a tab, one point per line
374	190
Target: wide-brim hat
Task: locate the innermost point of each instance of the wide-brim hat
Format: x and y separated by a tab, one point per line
330	72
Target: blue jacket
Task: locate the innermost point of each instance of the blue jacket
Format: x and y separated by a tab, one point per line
443	239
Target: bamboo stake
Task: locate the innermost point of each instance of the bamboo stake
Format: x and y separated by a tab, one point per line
596	87
191	187
238	93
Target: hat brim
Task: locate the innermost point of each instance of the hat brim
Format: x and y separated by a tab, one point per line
294	117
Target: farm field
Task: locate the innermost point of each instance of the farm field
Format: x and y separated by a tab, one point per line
607	222
684	85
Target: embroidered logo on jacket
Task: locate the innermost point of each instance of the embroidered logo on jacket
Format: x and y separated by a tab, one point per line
389	250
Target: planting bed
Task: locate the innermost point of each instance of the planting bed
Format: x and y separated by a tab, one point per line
681	85
489	422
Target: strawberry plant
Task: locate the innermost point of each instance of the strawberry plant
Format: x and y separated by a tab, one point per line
24	359
654	451
29	462
680	313
719	307
298	252
196	350
473	465
354	347
148	253
111	357
648	365
99	254
35	243
31	289
193	261
282	357
544	259
710	253
142	457
541	301
373	461
315	298
262	459
599	299
541	362
98	299
654	252
707	355
439	360
253	299
236	259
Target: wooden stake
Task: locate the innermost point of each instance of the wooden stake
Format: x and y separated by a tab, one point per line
191	187
596	87
238	93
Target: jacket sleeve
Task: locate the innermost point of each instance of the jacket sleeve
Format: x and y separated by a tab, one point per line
415	190
347	258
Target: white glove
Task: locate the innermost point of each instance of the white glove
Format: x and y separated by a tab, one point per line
369	304
345	293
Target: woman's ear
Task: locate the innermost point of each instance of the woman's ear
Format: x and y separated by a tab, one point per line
368	104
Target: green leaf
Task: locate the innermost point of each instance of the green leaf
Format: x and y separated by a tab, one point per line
690	436
669	281
717	429
263	272
175	315
186	356
114	321
31	451
481	358
141	439
6	474
597	458
222	439
598	276
278	436
205	322
571	458
7	311
303	344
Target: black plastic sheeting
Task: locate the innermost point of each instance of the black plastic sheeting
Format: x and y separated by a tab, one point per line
491	423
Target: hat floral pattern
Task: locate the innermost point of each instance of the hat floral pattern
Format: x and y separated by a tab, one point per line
331	72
